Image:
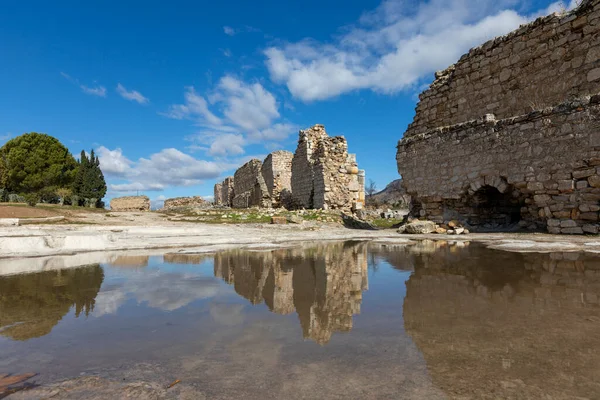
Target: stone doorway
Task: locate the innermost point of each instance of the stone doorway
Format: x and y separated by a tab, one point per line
490	209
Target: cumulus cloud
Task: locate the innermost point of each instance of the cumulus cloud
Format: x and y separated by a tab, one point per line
132	95
391	48
242	114
96	90
167	168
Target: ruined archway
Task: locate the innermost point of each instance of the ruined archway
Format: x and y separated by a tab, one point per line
489	208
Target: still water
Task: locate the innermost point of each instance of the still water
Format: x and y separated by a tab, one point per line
349	320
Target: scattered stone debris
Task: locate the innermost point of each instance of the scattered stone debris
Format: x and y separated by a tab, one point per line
508	135
130	203
415	226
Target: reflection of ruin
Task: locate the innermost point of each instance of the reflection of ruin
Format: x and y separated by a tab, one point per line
494	324
176	258
323	284
32	304
129	261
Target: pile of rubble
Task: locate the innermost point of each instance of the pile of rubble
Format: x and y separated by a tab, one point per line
415	226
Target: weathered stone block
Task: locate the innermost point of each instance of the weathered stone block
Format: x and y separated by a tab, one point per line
594	181
569	223
588	228
130	203
572	231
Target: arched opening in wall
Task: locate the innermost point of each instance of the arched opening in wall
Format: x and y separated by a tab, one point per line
489	209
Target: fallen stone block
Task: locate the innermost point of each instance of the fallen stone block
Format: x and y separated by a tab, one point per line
352	222
419	227
278	220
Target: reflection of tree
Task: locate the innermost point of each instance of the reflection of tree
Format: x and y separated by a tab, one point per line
323	284
32	304
494	324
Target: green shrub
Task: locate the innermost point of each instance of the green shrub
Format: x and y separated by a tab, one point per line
31	199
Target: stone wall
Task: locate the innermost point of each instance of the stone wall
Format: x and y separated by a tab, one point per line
320	174
539	65
130	203
218	194
227	193
277	174
184	202
324	175
249	186
535	166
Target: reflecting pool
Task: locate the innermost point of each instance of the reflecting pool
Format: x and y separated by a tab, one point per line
427	320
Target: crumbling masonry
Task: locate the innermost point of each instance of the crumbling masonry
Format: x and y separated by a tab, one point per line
511	132
321	174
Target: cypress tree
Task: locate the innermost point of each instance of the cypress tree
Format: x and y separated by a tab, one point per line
89	182
79	183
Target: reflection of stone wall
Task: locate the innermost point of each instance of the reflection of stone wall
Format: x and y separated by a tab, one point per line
324	287
175	258
130	203
129	261
494	324
32	304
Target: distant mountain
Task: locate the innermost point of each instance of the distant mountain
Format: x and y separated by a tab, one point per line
393	195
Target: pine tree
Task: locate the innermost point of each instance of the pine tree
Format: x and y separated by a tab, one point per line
80	177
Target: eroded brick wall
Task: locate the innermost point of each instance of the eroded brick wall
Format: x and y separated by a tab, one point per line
277	174
533	161
539	65
324	175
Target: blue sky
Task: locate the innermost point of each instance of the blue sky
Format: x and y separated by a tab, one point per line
175	95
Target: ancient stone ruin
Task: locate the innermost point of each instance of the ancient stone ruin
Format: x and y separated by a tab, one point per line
277	173
324	175
185	202
321	174
130	203
510	133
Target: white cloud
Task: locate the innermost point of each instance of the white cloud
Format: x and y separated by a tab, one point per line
96	90
229	30
99	91
392	47
234	31
5	137
227	144
195	107
247	113
113	162
132	95
167	168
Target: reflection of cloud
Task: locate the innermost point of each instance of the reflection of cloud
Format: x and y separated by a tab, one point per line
166	291
108	302
227	314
